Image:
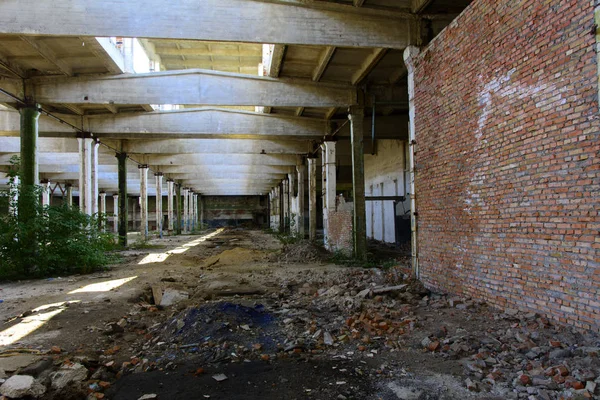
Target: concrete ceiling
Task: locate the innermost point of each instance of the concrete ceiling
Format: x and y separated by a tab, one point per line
356	44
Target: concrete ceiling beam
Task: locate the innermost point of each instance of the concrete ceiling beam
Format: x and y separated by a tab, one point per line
192	87
213	20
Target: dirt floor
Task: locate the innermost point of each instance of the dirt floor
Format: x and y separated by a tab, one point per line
233	314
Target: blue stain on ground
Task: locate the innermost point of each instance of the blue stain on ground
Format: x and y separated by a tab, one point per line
222	321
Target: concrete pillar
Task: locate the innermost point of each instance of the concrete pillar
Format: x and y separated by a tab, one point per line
185	210
69	195
123	211
94	175
409	55
46	193
159	213
201	225
28	199
312	198
85	175
300	169
190	222
13	197
134	206
286	205
329	185
196	213
144	200
356	117
170	203
102	211
116	213
178	208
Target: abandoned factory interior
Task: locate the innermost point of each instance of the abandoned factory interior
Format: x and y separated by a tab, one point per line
300	199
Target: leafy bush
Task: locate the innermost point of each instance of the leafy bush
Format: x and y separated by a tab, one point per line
51	241
67	241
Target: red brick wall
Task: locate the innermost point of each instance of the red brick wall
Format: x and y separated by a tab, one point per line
340	222
508	158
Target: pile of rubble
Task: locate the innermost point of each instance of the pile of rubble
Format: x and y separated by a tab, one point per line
303	251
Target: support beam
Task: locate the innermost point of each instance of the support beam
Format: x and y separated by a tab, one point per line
301	170
182	87
144	200
48	54
329	186
214	20
103	211
159	213
409	56
170	204
367	66
356	117
69	195
178	207
29	171
123	211
85	175
312	198
115	214
201	123
95	173
46	193
186	214
418	6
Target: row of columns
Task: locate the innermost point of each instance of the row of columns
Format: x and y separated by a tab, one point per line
290	193
90	201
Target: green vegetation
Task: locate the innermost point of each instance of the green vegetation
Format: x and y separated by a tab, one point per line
50	241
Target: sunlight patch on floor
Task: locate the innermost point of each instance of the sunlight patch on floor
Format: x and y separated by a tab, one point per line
103	286
160	257
31	323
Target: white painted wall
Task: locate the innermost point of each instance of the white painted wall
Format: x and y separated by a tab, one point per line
385	175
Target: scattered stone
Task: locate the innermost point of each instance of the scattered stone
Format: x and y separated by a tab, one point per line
173	296
327	339
18	386
150	396
67	374
220	377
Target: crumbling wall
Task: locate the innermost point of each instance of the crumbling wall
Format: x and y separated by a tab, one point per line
385	174
507	148
340	227
236	210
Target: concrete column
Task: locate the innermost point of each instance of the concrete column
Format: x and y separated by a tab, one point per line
300	169
103	211
329	186
286	205
94	166
134	206
170	203
185	210
13	197
159	213
356	117
409	55
29	171
69	195
312	198
190	226
46	193
116	213
196	211
178	207
85	175
144	200
201	212
122	213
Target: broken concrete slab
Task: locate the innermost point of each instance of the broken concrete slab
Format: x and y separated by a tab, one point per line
173	296
67	374
18	386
